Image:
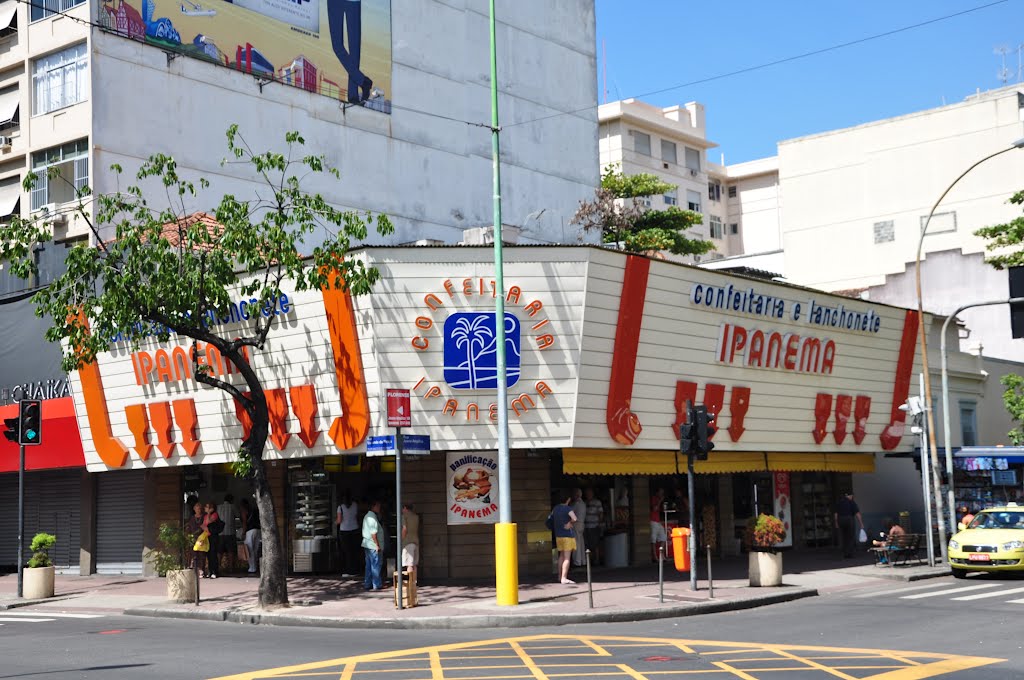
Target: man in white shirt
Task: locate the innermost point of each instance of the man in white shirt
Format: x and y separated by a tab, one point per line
348	535
228	537
373	547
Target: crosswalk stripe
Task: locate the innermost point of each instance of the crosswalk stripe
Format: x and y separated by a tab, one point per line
56	615
898	591
981	596
951	591
12	620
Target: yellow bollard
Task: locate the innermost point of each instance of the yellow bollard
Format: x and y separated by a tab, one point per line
506	563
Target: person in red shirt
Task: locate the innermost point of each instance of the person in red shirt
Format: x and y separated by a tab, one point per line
211	517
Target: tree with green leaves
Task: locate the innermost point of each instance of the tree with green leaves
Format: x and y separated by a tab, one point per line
1013	398
150	272
1006	238
619	215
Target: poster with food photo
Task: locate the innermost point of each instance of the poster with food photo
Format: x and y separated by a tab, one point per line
472	481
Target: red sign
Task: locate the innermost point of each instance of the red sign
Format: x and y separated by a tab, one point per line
399	411
62	446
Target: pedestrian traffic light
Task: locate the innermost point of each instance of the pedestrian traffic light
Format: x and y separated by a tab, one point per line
11	429
688	431
30	422
705	431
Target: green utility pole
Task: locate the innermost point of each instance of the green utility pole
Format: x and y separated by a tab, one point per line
506	557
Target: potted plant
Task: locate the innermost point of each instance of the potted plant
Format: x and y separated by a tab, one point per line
764	534
39	575
169	560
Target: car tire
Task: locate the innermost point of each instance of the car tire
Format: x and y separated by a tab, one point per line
959	573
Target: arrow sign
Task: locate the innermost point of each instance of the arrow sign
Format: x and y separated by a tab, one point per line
399	409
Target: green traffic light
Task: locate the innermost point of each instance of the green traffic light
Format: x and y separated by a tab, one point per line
31	434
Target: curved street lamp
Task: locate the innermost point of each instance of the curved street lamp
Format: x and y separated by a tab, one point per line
924	356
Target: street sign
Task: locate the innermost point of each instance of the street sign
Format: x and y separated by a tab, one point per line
399	408
380	446
416	444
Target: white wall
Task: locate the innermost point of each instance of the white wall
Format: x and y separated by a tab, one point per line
430	175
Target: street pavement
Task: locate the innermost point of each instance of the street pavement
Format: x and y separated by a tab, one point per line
617	595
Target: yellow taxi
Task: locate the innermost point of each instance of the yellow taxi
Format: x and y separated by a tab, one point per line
994	541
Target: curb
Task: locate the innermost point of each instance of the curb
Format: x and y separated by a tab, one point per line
15	604
476	621
939	572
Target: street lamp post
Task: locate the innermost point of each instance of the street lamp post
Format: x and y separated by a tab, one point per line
506	558
945	397
924	350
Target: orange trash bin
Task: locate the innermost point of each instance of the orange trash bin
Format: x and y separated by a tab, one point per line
681	548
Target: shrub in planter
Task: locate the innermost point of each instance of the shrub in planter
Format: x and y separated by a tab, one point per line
169	560
766	532
39	577
765	563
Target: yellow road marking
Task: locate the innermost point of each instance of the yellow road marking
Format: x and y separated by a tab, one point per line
915	665
527	661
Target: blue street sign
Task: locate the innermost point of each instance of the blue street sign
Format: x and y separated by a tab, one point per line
416	444
381	446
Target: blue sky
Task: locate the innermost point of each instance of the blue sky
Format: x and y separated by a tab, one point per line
655	44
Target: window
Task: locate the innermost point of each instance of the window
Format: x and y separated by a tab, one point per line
885	232
672	197
41	9
968	423
693	201
732	191
715	191
715	226
734	228
641	142
693	159
72	163
60	79
668	151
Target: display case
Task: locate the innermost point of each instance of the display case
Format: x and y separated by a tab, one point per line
817	515
310	522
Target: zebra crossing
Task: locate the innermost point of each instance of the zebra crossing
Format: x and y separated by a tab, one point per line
15	617
990	591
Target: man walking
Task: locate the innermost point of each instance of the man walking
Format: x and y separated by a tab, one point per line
410	540
846	512
373	547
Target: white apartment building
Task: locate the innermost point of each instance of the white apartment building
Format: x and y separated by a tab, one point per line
672	144
86	85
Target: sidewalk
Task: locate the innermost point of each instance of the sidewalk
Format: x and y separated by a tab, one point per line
618	595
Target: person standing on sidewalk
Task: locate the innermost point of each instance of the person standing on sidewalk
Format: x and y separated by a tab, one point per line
228	540
348	535
561	521
214	527
579	508
373	548
846	512
253	539
410	540
592	525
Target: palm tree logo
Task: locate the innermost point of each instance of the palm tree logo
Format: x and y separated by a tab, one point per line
470	350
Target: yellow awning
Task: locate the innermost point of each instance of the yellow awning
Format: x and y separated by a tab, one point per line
644	462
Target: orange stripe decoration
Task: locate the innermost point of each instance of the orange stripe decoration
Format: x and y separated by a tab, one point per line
187	420
110	449
277	408
243	417
138	423
893	432
351	428
623	425
303	400
160	414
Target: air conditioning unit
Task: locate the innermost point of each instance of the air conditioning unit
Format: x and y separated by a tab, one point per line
5	142
59	219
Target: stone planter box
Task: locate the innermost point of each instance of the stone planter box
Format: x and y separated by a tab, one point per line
181	585
765	569
38	583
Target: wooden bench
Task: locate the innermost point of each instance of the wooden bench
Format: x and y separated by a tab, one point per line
900	550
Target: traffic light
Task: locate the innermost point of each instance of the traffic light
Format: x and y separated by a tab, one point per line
11	429
705	431
30	422
688	431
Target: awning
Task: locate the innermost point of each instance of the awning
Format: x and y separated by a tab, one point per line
61	444
10	194
1012	454
7	17
9	102
641	462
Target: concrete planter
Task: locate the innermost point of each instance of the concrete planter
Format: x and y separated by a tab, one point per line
38	583
181	585
765	569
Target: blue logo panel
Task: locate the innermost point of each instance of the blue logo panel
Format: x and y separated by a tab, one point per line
471	351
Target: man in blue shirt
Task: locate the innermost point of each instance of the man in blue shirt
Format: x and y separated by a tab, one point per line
846	512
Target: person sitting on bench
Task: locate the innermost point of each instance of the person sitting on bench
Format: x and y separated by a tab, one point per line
889	536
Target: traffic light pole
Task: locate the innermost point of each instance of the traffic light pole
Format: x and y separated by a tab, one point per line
21	520
691	491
